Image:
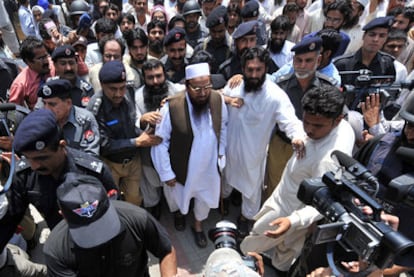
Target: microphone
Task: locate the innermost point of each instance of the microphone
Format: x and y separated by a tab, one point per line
4	107
355	167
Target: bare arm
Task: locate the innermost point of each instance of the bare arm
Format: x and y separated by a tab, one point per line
168	265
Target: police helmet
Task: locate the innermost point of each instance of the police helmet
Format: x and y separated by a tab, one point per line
407	110
191	7
79	7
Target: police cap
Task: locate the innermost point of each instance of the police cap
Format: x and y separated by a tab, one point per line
55	88
64	51
307	44
379	22
176	34
112	72
250	9
216	17
37	130
245	28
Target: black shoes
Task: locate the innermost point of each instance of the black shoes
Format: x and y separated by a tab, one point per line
179	221
199	237
243	226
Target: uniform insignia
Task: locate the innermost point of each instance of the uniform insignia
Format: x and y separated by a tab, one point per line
86	209
89	136
85	101
312	46
68	52
221	20
255	13
40	145
123	75
46	90
177	36
170	74
22	165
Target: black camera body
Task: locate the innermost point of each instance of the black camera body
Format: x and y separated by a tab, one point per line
224	235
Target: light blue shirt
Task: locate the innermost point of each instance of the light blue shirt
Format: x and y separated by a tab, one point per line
26	21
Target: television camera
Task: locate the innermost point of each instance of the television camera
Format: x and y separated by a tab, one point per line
334	196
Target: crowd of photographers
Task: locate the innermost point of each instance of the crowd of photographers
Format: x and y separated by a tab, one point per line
207	104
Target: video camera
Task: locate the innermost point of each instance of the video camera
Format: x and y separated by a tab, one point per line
224	235
334	196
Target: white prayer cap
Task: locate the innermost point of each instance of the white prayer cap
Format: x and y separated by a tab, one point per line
197	70
363	2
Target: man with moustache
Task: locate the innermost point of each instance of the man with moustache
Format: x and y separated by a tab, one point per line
278	45
369	55
194	31
218	42
303	78
353	27
156	32
193	132
244	38
115	113
137	42
45	160
66	67
250	127
23	90
148	99
175	60
141	14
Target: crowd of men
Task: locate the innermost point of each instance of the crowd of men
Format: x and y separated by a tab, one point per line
199	104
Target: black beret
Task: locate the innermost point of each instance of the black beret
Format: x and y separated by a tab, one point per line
250	9
379	22
64	51
38	129
307	44
245	28
112	72
55	88
216	17
176	34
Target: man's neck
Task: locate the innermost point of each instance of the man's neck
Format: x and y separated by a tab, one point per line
142	19
305	82
154	54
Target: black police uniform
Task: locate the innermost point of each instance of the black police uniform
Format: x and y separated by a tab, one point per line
382	64
81	93
194	37
40	190
220	52
173	75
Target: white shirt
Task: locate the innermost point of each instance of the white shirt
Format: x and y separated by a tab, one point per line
285	56
250	128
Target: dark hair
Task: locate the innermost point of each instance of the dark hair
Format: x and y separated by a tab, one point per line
407	12
111	6
331	40
128	16
157	23
103	42
256	52
176	18
396	35
50	14
344	7
290	7
152	64
202	56
105	25
27	47
137	34
281	22
325	100
233	7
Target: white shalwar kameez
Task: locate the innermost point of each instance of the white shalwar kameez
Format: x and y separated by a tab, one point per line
203	179
249	131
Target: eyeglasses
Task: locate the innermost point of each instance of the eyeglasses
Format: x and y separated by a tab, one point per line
200	89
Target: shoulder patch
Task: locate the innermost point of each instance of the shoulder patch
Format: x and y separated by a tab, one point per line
22	165
85	86
89	163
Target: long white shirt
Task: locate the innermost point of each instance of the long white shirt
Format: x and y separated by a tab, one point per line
249	131
203	179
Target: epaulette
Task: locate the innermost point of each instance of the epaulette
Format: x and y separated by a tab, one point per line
383	54
343	57
97	101
22	165
85	86
225	63
330	80
89	162
284	77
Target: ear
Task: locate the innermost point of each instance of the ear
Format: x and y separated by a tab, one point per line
319	59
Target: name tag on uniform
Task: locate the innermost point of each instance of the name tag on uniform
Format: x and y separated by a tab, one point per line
112	122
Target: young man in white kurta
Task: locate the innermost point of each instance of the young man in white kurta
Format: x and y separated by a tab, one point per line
284	203
203	178
249	131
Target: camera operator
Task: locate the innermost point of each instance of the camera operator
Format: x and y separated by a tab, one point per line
326	131
380	157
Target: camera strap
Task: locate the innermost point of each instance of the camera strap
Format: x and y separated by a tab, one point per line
8	183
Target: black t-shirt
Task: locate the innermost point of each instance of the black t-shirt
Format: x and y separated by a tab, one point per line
125	255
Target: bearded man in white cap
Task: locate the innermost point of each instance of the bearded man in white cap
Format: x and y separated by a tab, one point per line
189	159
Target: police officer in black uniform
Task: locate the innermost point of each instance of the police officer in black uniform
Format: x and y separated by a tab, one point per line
369	55
44	162
249	12
218	43
66	65
175	60
193	29
244	37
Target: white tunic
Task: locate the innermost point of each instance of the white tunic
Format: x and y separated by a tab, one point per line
249	131
203	179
